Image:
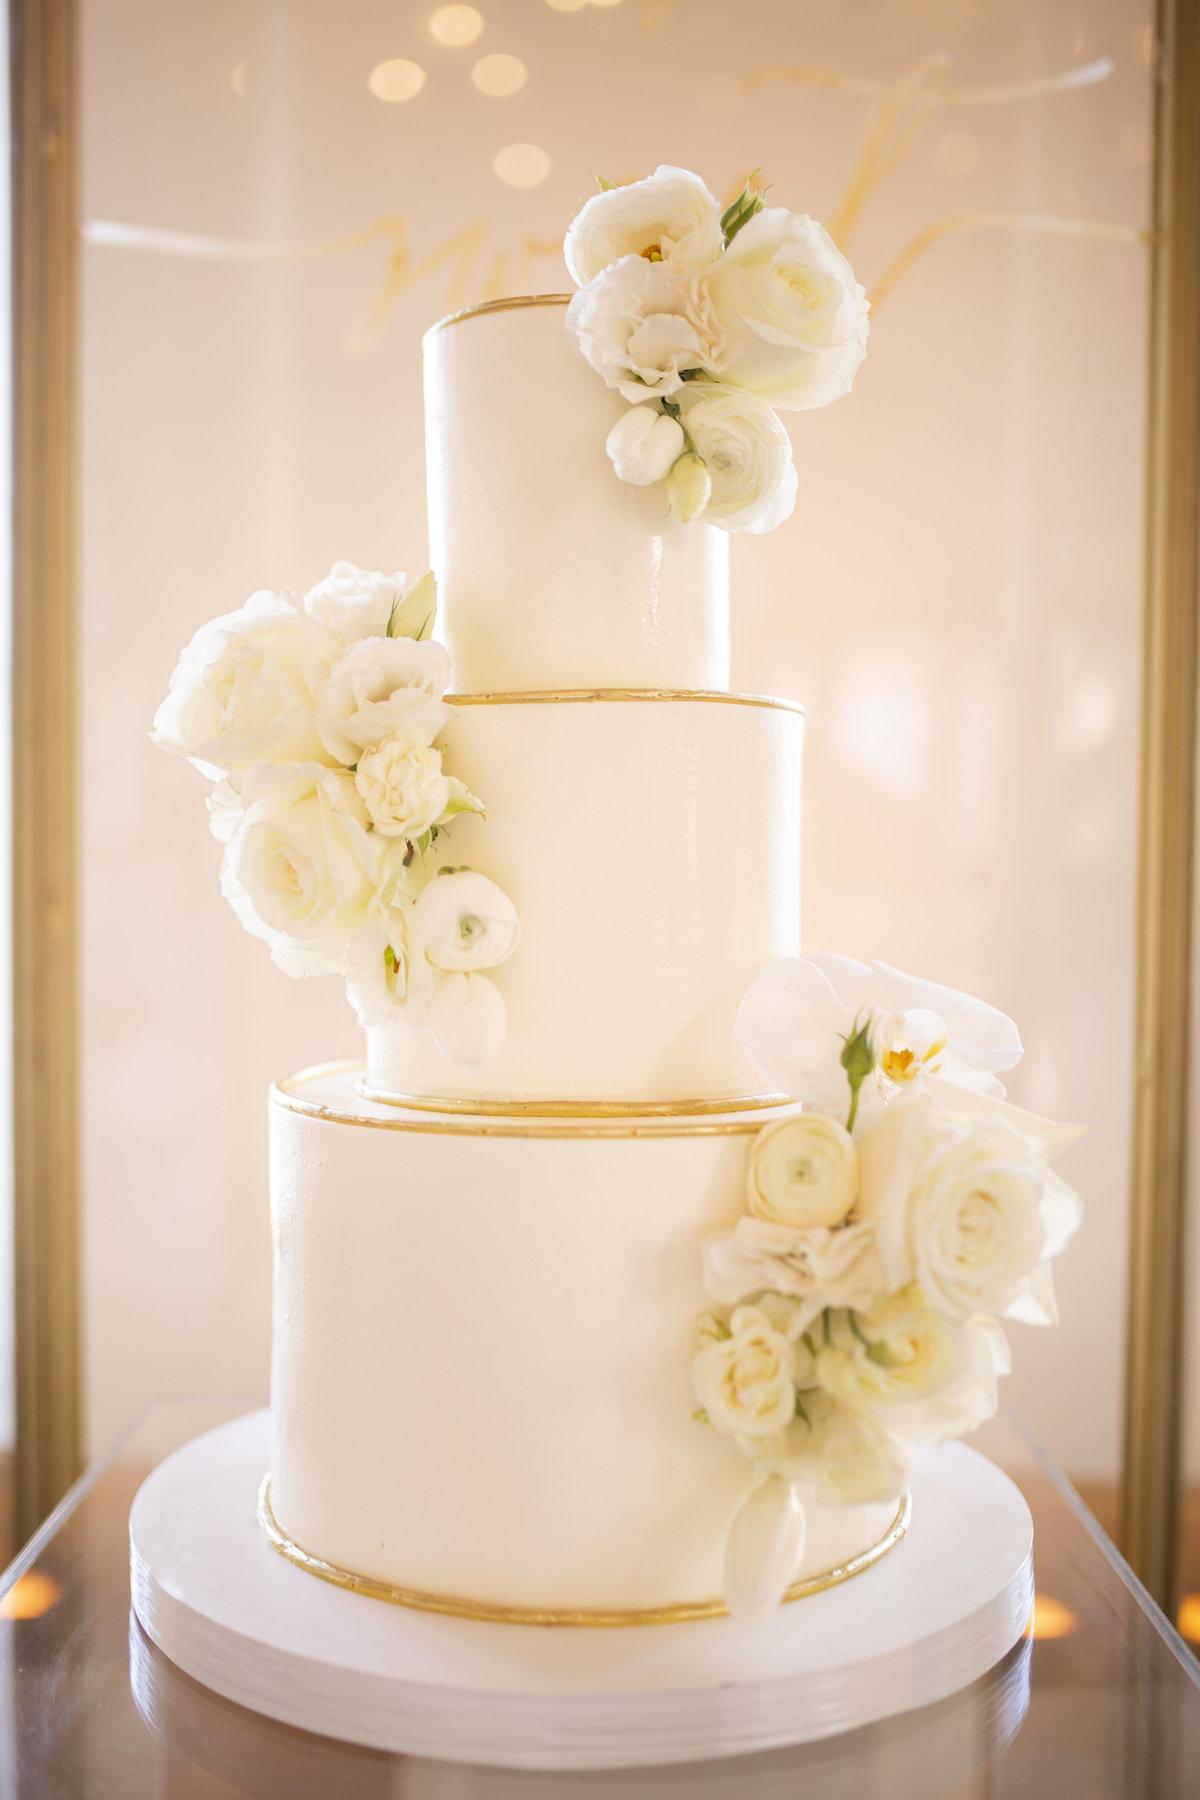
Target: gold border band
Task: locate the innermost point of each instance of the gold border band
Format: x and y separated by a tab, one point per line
570	1109
573	696
492	1614
284	1094
511	303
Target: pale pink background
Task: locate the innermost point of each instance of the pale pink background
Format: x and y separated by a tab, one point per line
956	599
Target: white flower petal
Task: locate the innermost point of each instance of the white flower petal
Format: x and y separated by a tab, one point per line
764	1548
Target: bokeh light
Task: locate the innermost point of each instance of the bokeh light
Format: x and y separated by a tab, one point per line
522	165
455	26
396	80
499	75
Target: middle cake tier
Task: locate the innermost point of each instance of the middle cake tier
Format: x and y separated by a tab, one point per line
651	844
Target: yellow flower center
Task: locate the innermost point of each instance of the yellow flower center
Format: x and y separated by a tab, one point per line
652	253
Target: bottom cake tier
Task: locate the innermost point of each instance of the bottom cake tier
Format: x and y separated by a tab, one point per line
482	1337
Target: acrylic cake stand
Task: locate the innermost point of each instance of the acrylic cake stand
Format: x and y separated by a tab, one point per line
937	1612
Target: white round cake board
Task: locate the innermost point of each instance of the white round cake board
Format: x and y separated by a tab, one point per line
934	1614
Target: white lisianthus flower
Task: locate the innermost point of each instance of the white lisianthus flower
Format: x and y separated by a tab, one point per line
689	488
802	1171
244	690
468	1019
848	1459
763	1548
643	445
957	1188
300	868
796	316
911	1369
670	217
405	788
748	455
817	1267
381	686
382	978
640	326
353	603
798	1011
745	1379
463	922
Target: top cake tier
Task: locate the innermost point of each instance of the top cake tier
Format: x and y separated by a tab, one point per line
552	573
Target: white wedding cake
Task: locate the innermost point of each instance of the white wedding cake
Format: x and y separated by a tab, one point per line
558	862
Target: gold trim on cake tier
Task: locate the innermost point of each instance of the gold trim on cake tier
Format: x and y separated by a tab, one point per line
570	1109
570	696
510	303
491	1613
496	1124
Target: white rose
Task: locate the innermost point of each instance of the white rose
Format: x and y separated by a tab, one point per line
748	454
244	691
746	1381
802	1171
379	687
798	1011
640	326
669	217
850	1460
796	316
353	603
405	788
468	1020
911	1369
643	445
462	921
958	1189
300	868
819	1267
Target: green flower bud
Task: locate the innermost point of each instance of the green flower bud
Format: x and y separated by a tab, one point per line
858	1059
689	486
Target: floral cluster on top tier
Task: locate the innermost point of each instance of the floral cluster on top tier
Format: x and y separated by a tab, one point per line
706	322
890	1226
317	716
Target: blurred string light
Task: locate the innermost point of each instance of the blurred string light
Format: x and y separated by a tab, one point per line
31	1596
499	75
1188	1618
522	165
578	5
455	26
397	80
239	79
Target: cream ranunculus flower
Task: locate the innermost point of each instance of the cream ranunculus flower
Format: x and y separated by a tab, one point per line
802	1171
244	691
797	1012
746	1381
301	869
748	455
818	1267
379	687
405	788
463	922
849	1460
911	1369
643	445
669	217
641	326
796	316
958	1189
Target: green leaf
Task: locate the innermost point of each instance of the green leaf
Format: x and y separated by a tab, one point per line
605	185
700	1415
800	1412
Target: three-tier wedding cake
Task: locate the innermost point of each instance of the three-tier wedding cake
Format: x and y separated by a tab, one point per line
558	863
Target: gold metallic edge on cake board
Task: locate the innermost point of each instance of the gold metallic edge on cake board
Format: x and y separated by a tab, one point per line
571	696
491	1613
284	1094
570	1109
509	303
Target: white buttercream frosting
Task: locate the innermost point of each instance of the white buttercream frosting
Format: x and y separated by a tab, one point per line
553	573
482	1351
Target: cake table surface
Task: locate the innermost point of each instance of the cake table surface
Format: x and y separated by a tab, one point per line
1104	1701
